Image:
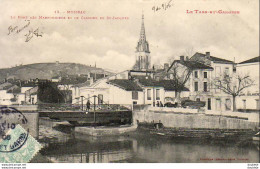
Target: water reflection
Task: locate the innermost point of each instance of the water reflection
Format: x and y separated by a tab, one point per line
143	147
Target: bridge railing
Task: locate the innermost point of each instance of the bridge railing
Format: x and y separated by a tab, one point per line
80	107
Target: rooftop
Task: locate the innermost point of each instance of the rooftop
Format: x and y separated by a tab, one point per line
128	85
214	59
193	64
166	84
253	60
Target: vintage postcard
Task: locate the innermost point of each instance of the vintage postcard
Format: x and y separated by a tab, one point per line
129	81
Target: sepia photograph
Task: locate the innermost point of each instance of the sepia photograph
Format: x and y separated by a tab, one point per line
129	81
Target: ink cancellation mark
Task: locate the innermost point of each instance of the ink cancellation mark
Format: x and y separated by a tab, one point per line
16	144
26	152
10	138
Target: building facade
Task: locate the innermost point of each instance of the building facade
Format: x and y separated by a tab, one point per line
203	69
249	99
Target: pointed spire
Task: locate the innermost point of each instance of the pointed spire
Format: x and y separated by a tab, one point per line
142	45
142	33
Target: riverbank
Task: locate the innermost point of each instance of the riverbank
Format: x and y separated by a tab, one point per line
192	119
105	131
62	144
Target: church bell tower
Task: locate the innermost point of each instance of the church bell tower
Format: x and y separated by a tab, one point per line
143	59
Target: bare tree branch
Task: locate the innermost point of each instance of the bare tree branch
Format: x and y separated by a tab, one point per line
228	85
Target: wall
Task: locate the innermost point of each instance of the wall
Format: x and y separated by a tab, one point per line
120	96
251	69
5	98
248	102
184	94
24	89
111	94
251	94
153	95
212	93
192	120
32	116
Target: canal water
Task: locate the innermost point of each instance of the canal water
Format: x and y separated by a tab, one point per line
62	145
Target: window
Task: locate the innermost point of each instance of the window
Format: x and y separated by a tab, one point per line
149	92
205	74
218	71
217	87
171	76
228	104
196	74
218	104
205	86
197	99
100	99
209	104
227	71
257	104
244	104
135	95
157	94
196	86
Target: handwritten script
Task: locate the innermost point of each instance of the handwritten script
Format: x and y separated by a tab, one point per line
163	6
29	35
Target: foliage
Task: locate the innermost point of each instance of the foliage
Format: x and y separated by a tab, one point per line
49	93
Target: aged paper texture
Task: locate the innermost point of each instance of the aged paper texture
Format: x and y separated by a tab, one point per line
130	81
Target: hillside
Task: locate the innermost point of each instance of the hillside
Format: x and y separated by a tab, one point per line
48	70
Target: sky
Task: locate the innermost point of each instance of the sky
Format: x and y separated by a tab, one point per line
111	43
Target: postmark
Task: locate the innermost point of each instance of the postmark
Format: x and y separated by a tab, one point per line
9	119
16	144
28	147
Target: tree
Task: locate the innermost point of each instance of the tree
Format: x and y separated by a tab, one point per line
233	86
188	52
179	73
65	91
49	93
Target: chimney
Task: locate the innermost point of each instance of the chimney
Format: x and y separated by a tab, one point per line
166	66
207	55
182	58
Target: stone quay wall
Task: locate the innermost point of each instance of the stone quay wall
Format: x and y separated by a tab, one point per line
176	119
31	114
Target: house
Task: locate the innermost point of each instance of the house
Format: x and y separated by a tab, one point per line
138	90
117	91
9	94
193	75
30	95
215	98
155	91
250	97
197	74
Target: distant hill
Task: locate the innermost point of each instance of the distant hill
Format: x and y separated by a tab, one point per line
48	70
